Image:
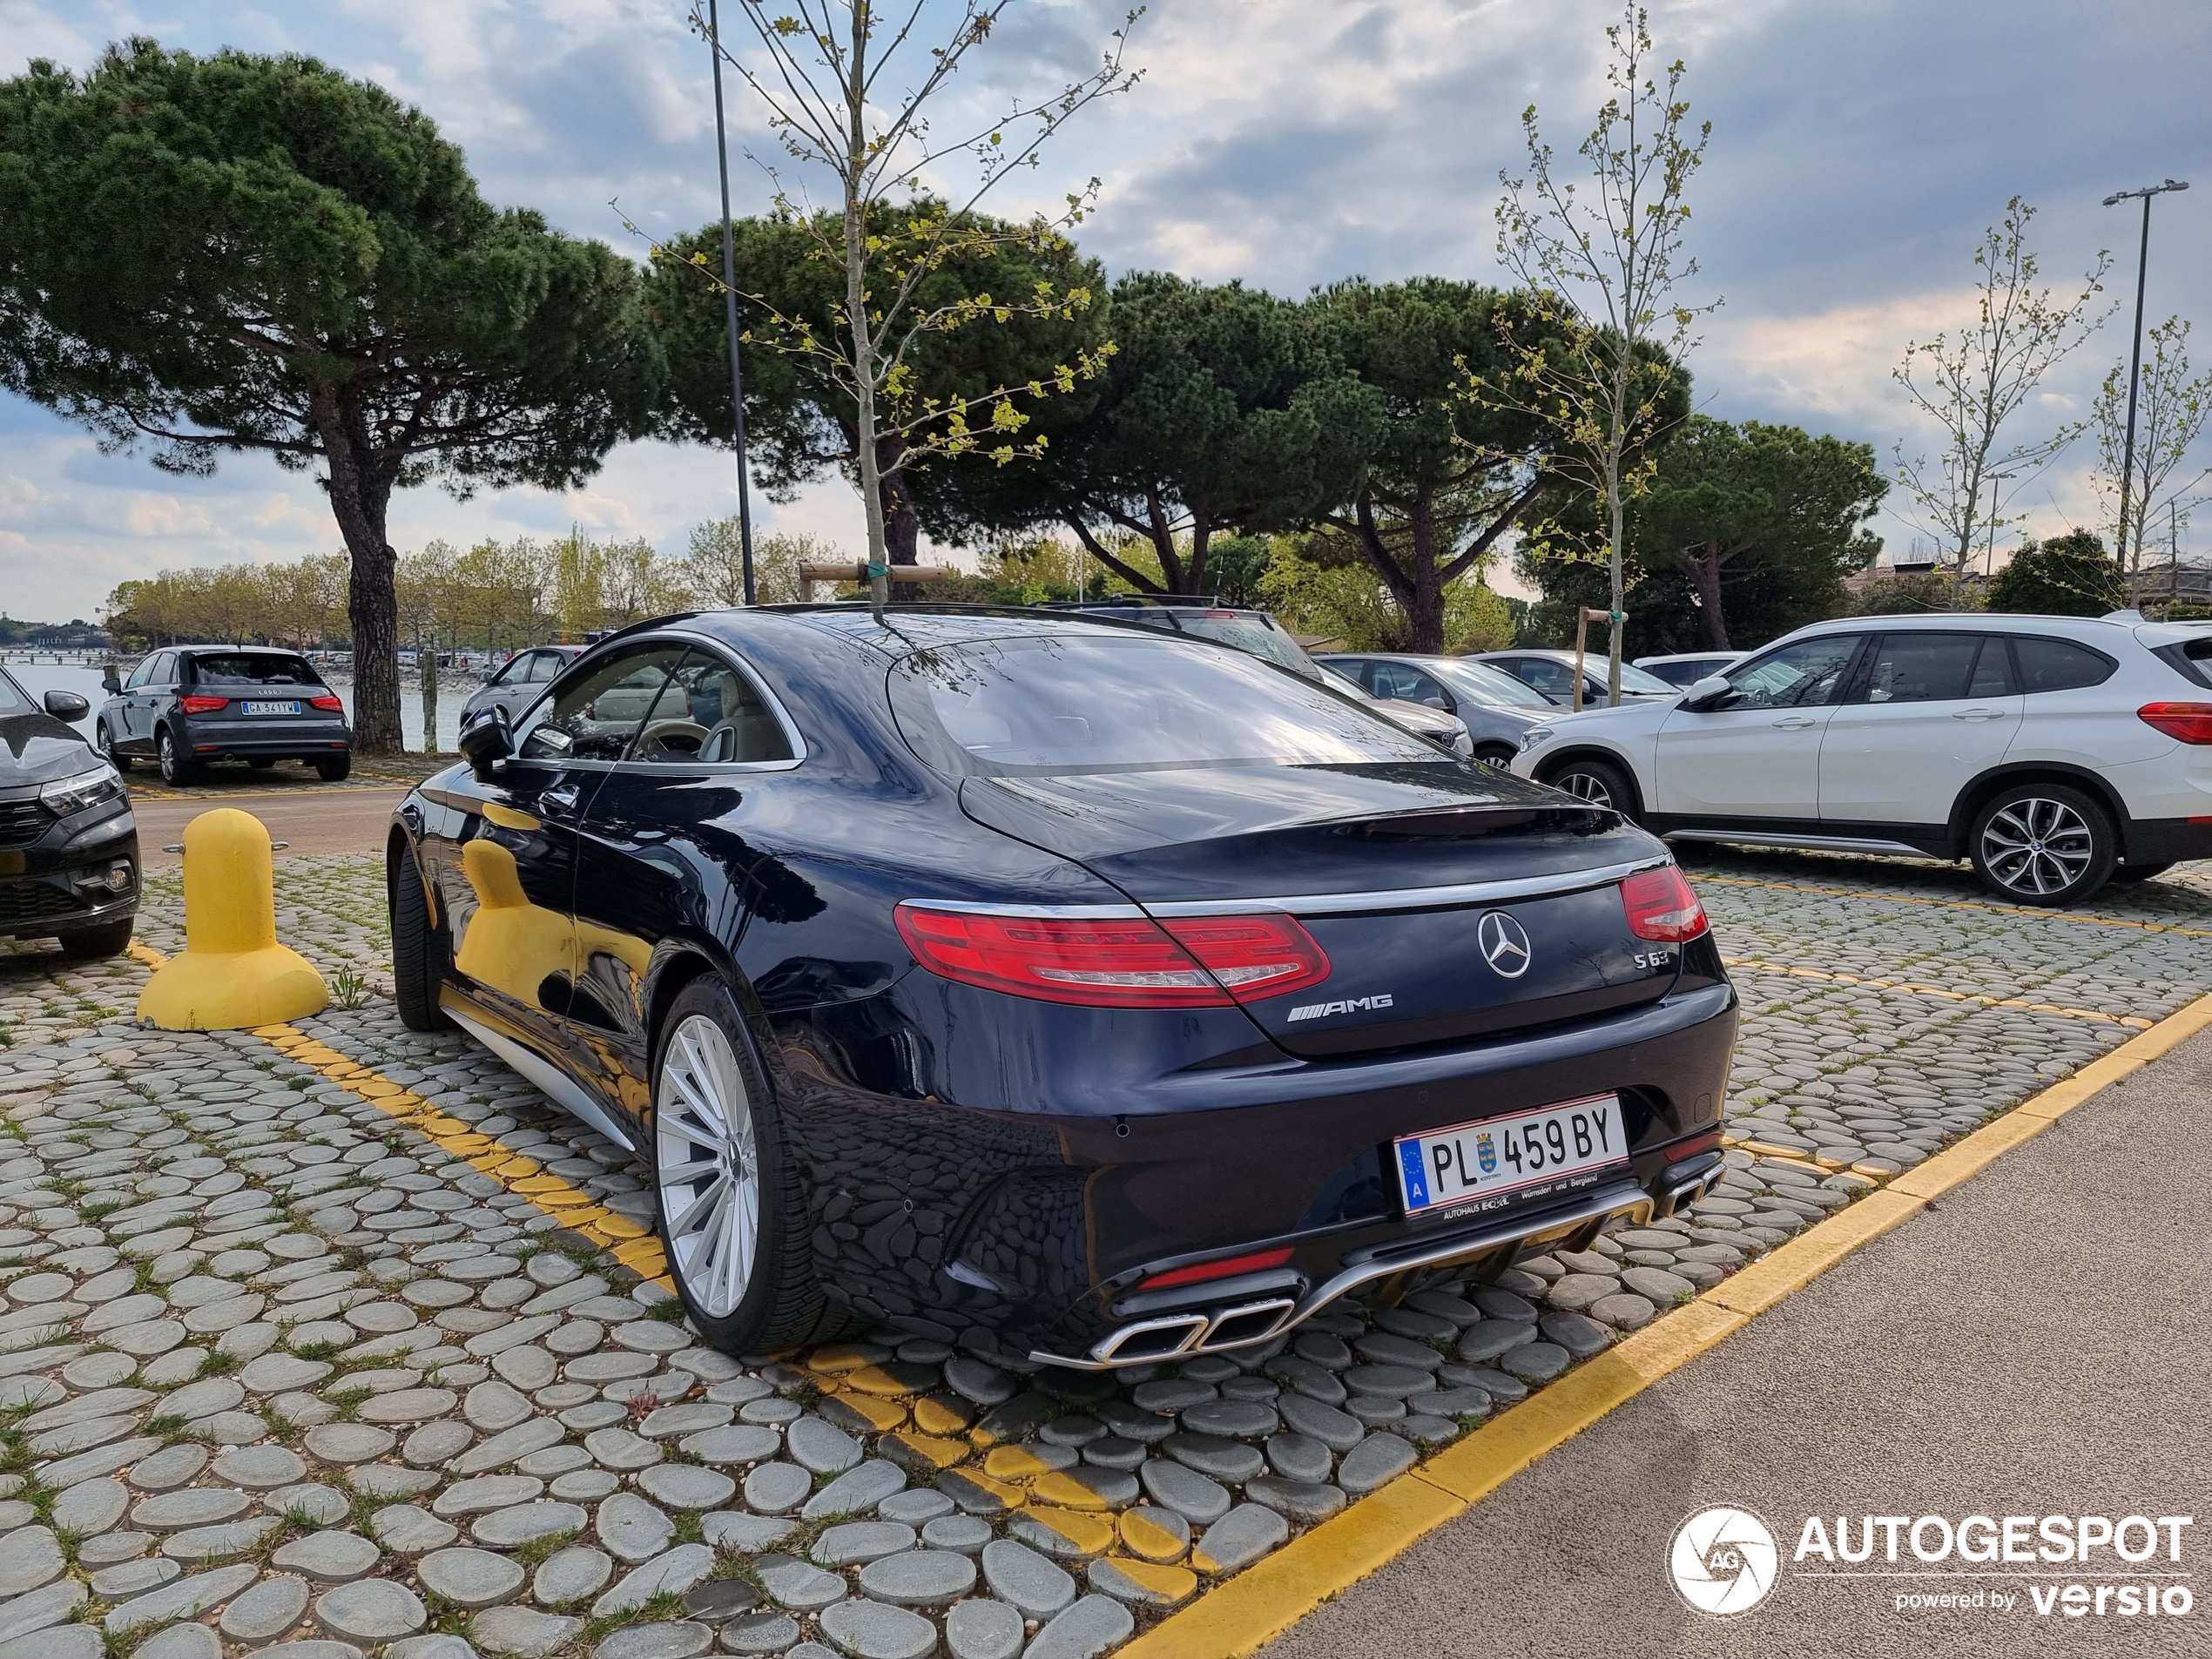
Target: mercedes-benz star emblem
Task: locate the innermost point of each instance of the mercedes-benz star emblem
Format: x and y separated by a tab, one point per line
1504	944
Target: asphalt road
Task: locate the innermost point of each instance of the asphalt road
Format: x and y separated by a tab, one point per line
2038	1343
315	820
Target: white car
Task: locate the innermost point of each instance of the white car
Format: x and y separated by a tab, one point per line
2054	752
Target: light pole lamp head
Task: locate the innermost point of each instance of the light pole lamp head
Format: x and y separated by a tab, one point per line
2146	193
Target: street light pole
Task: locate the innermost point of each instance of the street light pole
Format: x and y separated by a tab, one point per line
2135	362
730	306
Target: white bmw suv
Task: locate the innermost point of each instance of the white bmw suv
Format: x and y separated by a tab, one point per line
2055	752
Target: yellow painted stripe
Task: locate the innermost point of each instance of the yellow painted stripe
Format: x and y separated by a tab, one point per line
1250	1610
1699	879
632	1245
2135	1022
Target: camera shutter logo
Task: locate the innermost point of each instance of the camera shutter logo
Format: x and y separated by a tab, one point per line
1504	944
1724	1560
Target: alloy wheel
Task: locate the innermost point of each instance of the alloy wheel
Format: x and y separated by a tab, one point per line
708	1163
1584	785
2037	845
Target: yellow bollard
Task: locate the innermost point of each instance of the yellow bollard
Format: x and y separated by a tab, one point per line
232	972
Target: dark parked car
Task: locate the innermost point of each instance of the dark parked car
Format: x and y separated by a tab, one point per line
518	682
1112	992
188	705
68	845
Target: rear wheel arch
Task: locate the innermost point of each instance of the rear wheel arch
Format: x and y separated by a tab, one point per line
1978	794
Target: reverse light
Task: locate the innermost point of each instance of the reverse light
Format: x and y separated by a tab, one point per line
327	702
1190	962
199	704
1227	1267
1661	907
2184	722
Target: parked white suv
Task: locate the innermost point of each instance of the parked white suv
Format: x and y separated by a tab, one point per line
2055	752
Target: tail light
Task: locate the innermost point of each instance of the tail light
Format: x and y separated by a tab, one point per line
198	704
2184	722
1661	907
1206	961
327	702
1225	1267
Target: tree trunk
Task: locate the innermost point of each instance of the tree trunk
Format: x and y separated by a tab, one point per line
1425	610
360	495
1620	594
426	665
902	523
1705	577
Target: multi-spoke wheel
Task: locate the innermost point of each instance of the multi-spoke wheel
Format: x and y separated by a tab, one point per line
2043	844
731	1213
1599	782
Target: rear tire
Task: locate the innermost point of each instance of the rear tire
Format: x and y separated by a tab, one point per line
106	744
1599	782
731	1211
2043	844
420	950
178	768
2128	874
335	771
88	942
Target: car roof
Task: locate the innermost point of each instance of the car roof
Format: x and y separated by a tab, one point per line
909	628
1684	657
2112	628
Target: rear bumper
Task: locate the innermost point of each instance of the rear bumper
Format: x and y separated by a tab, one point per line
238	740
2167	840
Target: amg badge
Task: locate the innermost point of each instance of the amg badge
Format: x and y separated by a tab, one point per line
1350	1005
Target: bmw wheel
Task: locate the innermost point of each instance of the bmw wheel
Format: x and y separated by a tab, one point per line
106	744
1599	782
2043	844
176	767
731	1213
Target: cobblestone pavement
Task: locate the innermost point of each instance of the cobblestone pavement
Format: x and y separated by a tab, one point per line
343	1336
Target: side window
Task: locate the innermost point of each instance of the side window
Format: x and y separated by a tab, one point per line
1391	679
513	672
1807	675
1992	670
138	675
164	671
1922	668
1555	679
545	665
594	711
710	712
2060	665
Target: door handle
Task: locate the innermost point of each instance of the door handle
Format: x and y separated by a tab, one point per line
1978	714
1795	723
560	797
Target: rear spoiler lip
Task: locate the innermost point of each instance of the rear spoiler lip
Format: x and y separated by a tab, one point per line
1337	904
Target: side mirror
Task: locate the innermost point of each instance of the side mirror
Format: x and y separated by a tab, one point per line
1706	693
485	745
1438	704
111	685
66	706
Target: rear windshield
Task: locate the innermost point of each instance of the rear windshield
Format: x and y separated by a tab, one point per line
1123	703
254	668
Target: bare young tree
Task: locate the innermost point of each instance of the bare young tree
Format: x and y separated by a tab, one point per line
1972	381
2172	408
1603	269
847	85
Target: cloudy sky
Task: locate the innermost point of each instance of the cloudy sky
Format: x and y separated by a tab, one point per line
1858	148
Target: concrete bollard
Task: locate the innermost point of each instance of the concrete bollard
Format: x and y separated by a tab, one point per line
232	972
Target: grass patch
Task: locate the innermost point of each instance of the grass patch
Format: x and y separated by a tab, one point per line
532	1551
346	1403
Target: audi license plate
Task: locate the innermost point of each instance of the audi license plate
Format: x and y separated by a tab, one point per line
1504	1160
270	708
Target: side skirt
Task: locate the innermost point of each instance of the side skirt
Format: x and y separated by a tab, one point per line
557	1084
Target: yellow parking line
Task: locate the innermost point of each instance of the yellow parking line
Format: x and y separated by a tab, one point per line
632	1243
1258	1605
1952	904
2133	1021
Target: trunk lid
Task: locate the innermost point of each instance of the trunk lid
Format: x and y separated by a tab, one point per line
1393	868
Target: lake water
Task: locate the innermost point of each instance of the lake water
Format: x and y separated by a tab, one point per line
40	678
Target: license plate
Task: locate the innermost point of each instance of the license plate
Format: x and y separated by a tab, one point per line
270	708
1511	1160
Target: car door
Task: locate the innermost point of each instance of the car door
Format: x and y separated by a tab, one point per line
1929	711
503	856
664	853
1755	750
152	699
124	733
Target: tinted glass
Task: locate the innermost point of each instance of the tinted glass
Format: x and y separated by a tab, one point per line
1118	704
597	712
254	668
1556	678
2060	665
162	671
1806	675
709	711
1480	683
1992	670
1397	679
1922	668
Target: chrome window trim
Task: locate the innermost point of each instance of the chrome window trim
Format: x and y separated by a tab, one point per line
1322	904
736	664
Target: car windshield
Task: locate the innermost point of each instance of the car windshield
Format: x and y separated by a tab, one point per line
1118	704
1254	634
1488	685
254	668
